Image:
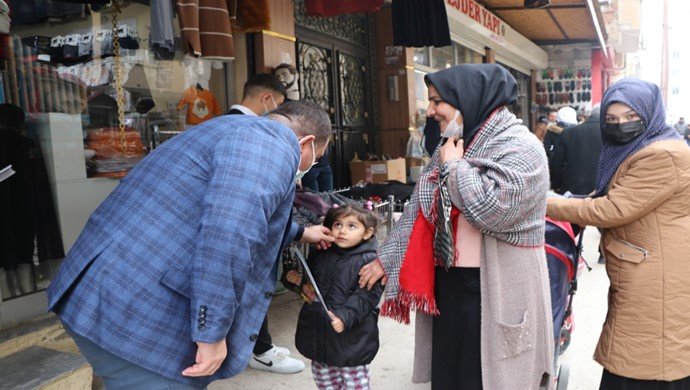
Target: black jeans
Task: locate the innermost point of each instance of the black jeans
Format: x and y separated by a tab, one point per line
611	381
456	356
263	339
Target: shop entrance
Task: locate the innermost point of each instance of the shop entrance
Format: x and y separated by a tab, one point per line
335	74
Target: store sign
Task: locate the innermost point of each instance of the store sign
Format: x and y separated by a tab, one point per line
481	15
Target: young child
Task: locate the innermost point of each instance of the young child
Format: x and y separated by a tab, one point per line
342	346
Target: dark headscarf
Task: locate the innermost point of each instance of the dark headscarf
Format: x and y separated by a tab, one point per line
645	99
476	90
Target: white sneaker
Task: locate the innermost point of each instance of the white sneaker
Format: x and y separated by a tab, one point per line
285	351
275	360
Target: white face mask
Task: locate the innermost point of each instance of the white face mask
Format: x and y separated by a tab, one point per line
300	174
453	129
266	111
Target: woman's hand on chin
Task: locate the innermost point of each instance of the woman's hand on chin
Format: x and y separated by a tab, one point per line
452	150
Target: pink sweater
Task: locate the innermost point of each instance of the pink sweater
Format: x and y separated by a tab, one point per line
468	242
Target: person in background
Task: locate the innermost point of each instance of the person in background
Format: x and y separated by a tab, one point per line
540	128
480	205
261	94
264	93
552	116
320	176
574	162
680	126
686	136
566	117
642	203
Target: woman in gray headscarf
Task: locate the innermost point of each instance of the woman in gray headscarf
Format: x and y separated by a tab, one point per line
467	254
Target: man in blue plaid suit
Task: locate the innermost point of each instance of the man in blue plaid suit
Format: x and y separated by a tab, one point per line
175	269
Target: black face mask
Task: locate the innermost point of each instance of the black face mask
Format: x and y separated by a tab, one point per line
622	133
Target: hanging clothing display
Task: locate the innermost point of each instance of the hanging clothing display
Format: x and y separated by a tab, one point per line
206	30
198	71
420	23
162	32
250	15
326	8
38	11
26	204
201	105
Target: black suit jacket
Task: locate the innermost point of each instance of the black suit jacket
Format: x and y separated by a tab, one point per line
575	158
235	111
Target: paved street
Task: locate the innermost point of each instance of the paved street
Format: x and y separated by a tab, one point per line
392	367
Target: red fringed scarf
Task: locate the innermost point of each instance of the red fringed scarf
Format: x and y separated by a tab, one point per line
417	272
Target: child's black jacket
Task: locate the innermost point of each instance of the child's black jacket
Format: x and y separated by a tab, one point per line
336	272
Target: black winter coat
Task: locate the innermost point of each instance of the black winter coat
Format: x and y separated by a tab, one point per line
336	272
27	209
574	162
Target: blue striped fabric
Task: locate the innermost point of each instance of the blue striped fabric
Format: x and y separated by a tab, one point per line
199	222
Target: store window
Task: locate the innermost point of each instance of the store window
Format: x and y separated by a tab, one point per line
421	56
431	59
521	108
58	67
421	91
442	57
467	56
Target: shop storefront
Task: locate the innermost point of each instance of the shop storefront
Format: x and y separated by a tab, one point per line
336	72
480	36
431	59
60	66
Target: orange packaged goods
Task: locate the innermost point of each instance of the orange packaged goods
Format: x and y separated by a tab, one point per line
108	159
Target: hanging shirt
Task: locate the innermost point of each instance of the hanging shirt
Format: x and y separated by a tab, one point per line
201	105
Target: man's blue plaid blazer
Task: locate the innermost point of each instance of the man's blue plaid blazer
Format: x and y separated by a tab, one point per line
185	249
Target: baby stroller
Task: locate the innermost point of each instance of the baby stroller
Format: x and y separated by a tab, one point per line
562	259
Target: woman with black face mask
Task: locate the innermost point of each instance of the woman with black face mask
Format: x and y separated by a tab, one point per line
642	202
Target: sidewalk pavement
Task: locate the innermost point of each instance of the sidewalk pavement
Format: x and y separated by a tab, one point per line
392	367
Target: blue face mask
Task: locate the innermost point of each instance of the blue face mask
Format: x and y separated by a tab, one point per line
300	174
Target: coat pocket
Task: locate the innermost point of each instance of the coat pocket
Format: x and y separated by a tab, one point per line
626	251
515	339
177	280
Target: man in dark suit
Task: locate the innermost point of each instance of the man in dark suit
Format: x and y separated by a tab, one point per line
261	94
573	164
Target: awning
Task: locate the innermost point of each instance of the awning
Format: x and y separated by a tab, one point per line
562	22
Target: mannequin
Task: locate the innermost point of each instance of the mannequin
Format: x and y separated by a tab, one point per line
288	76
4	18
